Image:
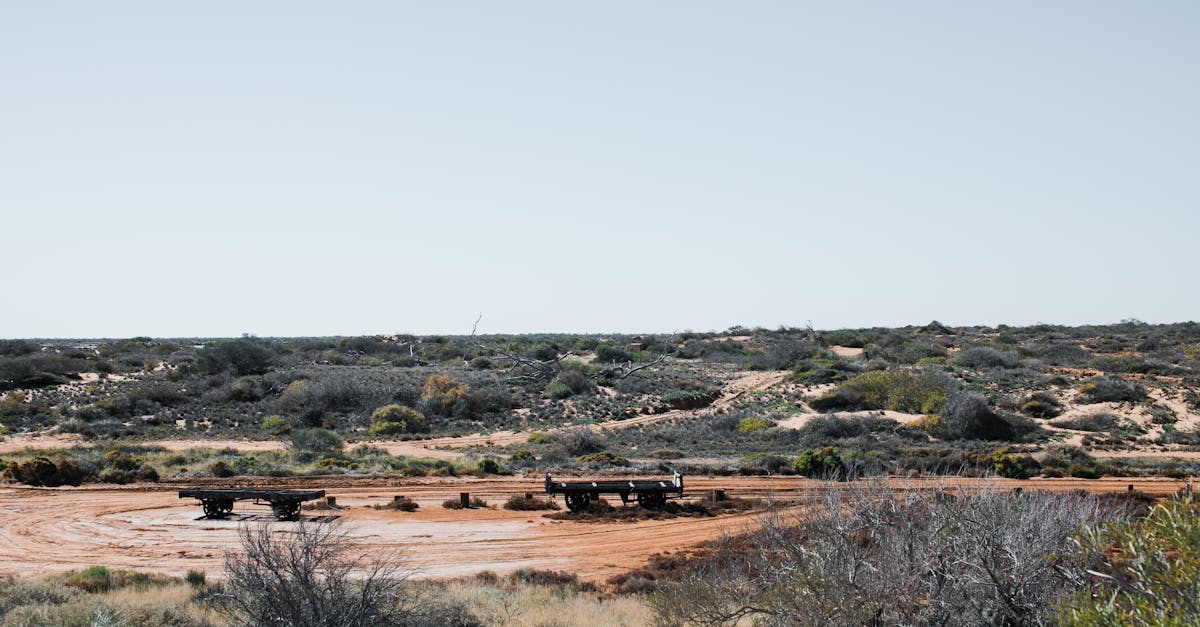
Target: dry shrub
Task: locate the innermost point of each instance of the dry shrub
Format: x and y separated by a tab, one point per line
522	504
868	554
312	574
399	503
497	602
475	503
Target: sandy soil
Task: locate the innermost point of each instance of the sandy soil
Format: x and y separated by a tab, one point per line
437	448
149	528
48	441
743	384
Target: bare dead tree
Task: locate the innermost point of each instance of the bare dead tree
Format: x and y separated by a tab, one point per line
623	370
312	574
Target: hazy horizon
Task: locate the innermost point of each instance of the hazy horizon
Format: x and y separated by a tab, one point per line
299	169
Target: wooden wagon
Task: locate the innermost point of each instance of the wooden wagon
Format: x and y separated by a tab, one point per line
651	493
218	502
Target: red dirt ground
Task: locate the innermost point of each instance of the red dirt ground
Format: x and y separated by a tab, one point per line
150	528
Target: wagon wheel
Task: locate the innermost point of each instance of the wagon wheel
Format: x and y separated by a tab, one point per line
217	508
577	502
286	510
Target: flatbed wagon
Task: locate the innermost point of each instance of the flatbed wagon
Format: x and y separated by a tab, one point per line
651	493
218	502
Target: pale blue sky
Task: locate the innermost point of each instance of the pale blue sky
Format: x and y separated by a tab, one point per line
296	168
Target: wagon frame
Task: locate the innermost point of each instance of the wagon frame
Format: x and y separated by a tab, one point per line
649	493
218	502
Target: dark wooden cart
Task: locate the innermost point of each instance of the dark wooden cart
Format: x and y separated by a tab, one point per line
648	492
218	502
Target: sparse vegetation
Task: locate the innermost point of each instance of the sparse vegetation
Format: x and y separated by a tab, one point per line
404	387
906	390
1109	389
865	556
1139	571
522	504
311	575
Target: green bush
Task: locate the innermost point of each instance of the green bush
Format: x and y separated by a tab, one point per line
317	441
603	458
386	428
1142	571
1062	456
397	419
91	579
838	399
908	390
558	391
821	429
400	503
329	463
691	399
607	353
521	504
441	393
822	462
243	356
571	380
967	416
221	468
43	471
1111	389
1083	472
845	337
1102	421
522	455
1192	398
1011	466
752	424
274	424
1041	405
764	464
195	578
488	466
136	471
540	437
820	371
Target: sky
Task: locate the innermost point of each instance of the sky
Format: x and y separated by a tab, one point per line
309	168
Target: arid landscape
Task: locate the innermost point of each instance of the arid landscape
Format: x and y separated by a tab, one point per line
150	528
546	314
100	436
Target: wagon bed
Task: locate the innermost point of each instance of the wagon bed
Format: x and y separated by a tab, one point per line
651	493
218	502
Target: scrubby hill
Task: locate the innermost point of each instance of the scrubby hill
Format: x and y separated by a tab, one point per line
1012	400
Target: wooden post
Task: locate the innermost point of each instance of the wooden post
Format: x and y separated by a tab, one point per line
331	501
464	499
716	495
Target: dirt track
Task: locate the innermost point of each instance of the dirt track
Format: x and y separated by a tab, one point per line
149	528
